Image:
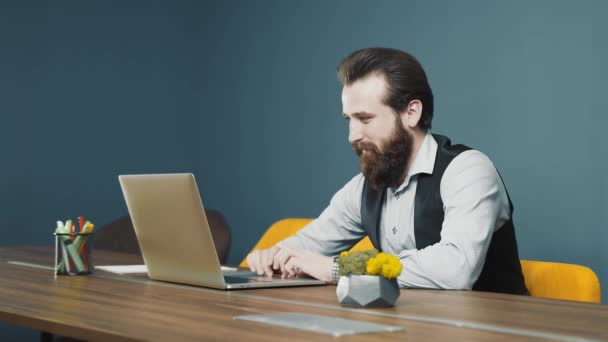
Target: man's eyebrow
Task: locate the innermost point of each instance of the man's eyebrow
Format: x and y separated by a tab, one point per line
357	114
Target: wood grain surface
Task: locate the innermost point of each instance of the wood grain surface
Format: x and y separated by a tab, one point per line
106	306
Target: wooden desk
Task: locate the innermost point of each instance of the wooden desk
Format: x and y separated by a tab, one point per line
127	308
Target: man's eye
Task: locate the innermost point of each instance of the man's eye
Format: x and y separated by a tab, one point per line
366	119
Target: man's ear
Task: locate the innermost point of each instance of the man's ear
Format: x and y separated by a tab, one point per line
412	114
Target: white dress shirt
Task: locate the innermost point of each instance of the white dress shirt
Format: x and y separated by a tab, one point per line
475	205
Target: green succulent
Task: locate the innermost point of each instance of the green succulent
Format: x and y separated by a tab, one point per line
355	263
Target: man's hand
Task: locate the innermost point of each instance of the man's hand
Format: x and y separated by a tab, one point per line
262	261
301	261
291	262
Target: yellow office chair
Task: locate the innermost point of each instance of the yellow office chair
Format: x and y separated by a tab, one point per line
543	279
289	227
561	281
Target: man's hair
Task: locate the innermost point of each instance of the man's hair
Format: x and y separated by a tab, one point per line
406	80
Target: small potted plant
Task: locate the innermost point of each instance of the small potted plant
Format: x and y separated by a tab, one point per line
368	279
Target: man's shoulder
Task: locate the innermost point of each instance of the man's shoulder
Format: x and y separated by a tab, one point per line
472	157
355	184
351	190
472	177
470	165
349	196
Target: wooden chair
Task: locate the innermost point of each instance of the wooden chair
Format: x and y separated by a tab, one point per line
543	279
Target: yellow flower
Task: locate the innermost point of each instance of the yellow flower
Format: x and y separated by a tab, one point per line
383	257
392	268
373	267
344	253
385	265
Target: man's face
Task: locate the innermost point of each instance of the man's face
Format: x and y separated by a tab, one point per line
375	132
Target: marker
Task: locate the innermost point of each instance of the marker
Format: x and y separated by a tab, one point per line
61	268
73	252
81	239
70	230
65	264
87	228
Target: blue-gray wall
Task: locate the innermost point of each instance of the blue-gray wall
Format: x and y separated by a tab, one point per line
244	95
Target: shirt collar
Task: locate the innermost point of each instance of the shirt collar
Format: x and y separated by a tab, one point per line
424	161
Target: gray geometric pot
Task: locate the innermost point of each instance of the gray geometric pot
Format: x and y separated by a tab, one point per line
367	291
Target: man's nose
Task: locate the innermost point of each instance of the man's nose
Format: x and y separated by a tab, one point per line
355	133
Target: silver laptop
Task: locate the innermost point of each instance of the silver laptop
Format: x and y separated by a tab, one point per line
174	236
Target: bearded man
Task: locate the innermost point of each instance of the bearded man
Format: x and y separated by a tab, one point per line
442	209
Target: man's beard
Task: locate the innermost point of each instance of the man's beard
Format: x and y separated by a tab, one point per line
383	169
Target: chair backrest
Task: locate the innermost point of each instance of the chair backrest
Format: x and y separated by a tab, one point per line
561	281
543	279
289	227
119	235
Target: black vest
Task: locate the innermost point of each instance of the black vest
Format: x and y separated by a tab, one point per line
501	271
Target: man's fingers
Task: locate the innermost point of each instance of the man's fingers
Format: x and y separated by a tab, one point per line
275	261
250	262
268	271
281	258
291	267
286	268
286	254
265	261
264	267
269	260
259	264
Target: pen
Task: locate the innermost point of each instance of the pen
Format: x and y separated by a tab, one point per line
81	223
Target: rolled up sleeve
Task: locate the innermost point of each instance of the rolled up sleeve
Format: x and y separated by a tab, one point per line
338	227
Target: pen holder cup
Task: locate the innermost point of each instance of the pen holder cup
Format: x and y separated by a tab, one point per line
73	254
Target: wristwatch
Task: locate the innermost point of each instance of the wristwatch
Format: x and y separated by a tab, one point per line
335	270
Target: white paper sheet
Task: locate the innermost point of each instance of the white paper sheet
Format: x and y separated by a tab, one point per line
134	269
